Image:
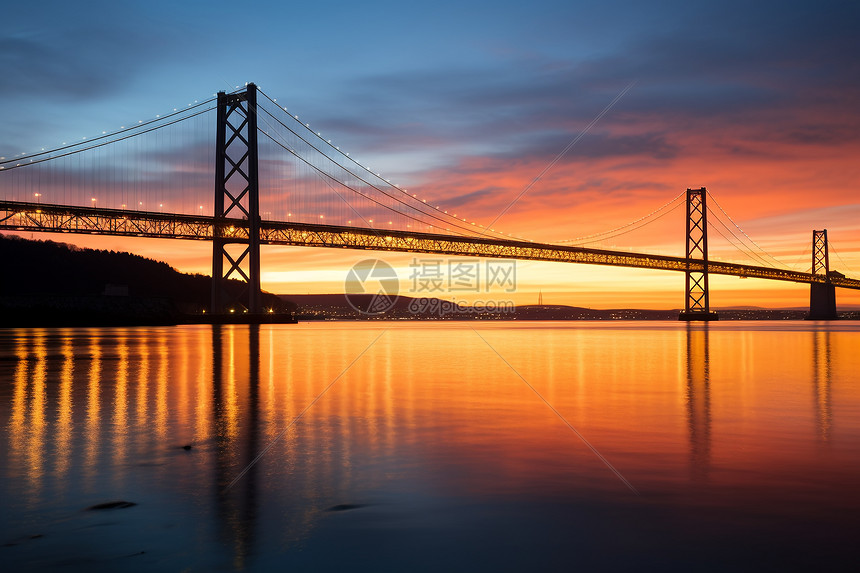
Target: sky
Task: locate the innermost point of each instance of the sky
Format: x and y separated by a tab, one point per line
468	102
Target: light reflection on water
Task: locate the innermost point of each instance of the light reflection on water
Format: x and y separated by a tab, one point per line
423	450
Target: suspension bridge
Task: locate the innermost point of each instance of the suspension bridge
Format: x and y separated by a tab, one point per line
277	182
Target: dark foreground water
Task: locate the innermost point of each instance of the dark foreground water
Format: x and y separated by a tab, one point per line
431	447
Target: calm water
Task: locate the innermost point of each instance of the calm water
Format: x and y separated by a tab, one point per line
431	447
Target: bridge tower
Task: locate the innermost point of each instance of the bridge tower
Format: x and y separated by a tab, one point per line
697	303
237	195
822	295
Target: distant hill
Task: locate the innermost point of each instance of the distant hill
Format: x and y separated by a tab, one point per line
338	307
46	281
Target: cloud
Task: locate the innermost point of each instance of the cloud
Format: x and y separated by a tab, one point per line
65	67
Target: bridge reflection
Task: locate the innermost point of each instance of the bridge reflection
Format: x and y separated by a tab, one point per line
237	508
698	399
100	414
821	380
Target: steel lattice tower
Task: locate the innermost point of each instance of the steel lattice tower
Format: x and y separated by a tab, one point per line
820	255
697	303
237	195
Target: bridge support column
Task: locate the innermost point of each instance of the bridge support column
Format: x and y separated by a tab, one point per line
237	196
822	295
697	303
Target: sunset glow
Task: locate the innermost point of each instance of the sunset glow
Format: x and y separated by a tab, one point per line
544	128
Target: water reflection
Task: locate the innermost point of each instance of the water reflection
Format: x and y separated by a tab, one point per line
698	399
431	435
237	507
94	398
821	377
64	411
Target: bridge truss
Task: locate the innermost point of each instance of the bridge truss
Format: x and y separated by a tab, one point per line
35	217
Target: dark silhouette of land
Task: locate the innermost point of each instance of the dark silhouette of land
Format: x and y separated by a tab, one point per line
341	307
54	284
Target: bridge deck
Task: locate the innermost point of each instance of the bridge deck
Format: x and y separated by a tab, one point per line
36	217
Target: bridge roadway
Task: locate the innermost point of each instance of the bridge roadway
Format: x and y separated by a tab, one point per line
36	217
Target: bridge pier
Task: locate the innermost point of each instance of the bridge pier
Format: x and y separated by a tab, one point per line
822	301
697	304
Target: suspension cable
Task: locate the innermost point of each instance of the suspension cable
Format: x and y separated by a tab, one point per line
344	185
103	143
835	252
612	232
312	146
742	248
717	203
420	203
108	135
